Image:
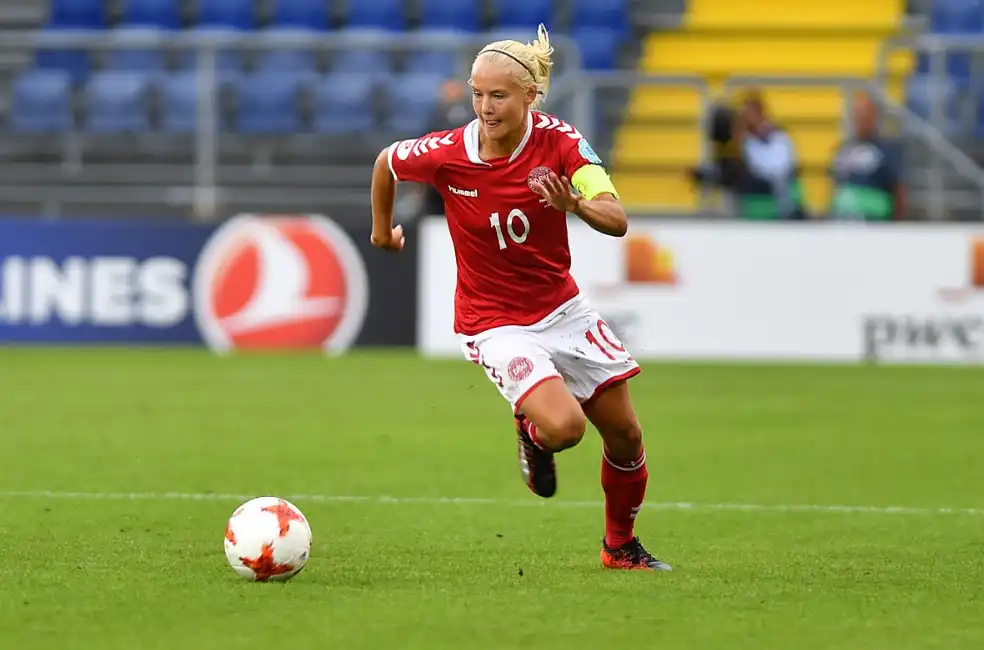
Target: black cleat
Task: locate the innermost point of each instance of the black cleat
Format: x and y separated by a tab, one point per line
632	556
537	465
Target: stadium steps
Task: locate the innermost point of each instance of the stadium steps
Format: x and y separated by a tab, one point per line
719	39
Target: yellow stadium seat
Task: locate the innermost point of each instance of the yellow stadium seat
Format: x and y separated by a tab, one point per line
659	189
721	40
866	15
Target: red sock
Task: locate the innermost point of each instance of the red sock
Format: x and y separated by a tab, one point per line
624	483
531	430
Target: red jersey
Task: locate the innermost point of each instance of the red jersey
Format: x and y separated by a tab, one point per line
511	251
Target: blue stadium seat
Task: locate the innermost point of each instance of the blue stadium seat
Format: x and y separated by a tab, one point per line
146	54
76	63
956	65
288	58
522	13
609	14
439	61
179	102
515	33
412	101
372	63
229	62
462	15
312	14
432	61
116	102
385	14
922	90
957	17
267	102
980	115
599	47
342	103
226	13
89	14
40	102
152	13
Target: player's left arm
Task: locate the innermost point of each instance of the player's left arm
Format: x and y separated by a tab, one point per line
594	199
601	211
597	204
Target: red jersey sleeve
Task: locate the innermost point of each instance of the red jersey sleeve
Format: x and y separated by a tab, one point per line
418	160
575	152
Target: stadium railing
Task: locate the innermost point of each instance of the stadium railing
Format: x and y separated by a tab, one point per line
934	189
598	102
215	169
942	114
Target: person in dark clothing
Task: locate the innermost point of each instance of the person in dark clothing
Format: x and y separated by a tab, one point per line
754	161
867	171
725	169
771	187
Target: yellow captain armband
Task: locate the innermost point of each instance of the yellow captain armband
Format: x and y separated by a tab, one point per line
592	180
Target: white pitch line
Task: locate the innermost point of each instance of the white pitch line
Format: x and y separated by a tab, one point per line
328	498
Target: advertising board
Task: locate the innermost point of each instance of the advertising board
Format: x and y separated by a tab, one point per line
761	291
252	282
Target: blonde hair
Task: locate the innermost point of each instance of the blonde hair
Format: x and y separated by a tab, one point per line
530	61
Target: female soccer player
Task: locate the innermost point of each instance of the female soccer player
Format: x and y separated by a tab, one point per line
506	181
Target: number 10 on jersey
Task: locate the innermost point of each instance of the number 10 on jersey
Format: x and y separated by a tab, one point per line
517	227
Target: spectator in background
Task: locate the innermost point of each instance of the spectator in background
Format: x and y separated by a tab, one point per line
725	169
770	186
867	171
754	162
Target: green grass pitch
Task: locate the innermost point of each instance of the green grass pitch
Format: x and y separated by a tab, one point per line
498	569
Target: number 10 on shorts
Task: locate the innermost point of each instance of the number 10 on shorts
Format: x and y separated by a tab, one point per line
602	337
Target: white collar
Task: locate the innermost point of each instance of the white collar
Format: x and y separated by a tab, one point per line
471	140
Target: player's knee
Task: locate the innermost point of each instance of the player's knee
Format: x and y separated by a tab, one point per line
565	430
624	440
632	434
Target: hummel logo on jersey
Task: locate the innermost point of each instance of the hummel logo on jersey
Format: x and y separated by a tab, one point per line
471	193
552	123
421	146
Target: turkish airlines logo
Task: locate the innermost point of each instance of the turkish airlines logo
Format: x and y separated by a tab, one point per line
280	282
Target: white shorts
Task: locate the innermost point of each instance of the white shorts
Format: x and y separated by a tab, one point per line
573	343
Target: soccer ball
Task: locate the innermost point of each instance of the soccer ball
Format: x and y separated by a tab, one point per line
267	539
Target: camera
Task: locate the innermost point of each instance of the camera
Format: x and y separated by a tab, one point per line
725	168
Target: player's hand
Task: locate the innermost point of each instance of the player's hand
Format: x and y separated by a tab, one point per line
391	241
557	193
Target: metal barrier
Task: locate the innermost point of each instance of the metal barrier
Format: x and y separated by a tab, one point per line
205	188
590	87
204	191
937	49
943	133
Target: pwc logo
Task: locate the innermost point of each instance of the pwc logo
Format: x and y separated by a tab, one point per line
267	282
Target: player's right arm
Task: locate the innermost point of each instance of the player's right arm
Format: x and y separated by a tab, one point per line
414	160
384	235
